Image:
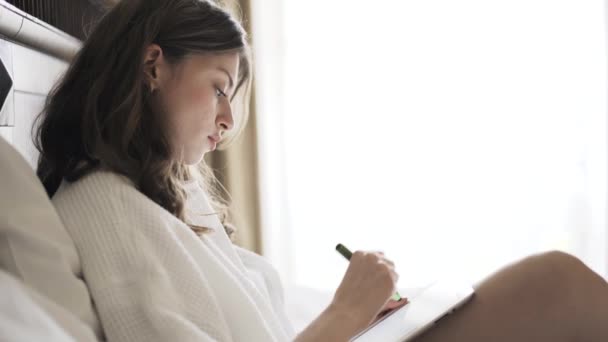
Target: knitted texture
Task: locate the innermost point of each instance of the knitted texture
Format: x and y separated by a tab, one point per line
152	279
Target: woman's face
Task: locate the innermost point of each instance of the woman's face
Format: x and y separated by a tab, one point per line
195	94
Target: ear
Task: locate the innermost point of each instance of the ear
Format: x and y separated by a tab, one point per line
153	63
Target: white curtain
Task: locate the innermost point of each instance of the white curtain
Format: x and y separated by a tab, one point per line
456	136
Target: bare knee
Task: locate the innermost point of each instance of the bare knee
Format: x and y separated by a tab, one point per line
579	290
561	274
558	267
559	261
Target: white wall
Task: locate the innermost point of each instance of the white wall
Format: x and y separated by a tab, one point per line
34	73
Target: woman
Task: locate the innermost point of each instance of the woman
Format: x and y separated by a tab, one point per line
122	139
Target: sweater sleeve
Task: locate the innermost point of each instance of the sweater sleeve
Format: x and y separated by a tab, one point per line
143	284
257	265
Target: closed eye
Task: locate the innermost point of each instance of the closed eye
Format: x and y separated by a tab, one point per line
219	92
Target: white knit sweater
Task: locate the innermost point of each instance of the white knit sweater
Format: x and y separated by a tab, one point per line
152	279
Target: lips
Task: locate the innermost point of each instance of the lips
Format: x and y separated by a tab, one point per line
215	138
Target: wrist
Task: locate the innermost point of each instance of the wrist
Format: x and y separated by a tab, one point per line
352	319
336	323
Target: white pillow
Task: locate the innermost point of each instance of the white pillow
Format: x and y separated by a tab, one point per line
35	247
21	320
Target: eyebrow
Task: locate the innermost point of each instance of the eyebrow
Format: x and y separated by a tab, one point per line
227	74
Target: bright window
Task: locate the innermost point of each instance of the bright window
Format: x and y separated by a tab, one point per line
456	136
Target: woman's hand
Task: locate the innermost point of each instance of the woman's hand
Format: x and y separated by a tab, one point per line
366	288
362	296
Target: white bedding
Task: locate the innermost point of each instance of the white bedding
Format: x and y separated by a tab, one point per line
21	320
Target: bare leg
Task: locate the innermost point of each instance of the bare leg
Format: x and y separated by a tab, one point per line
547	297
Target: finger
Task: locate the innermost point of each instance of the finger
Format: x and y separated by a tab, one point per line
395	277
388	266
358	254
388	262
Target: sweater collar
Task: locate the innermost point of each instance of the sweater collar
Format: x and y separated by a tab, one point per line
198	209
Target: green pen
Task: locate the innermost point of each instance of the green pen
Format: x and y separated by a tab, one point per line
348	254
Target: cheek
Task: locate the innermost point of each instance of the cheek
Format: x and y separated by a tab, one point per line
190	97
200	99
197	111
191	114
201	108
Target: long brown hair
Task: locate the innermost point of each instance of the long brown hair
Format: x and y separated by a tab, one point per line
101	113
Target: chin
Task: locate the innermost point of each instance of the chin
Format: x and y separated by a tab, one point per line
194	160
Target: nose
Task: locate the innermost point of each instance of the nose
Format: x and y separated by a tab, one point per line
225	119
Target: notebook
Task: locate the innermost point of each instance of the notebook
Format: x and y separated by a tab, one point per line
428	307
